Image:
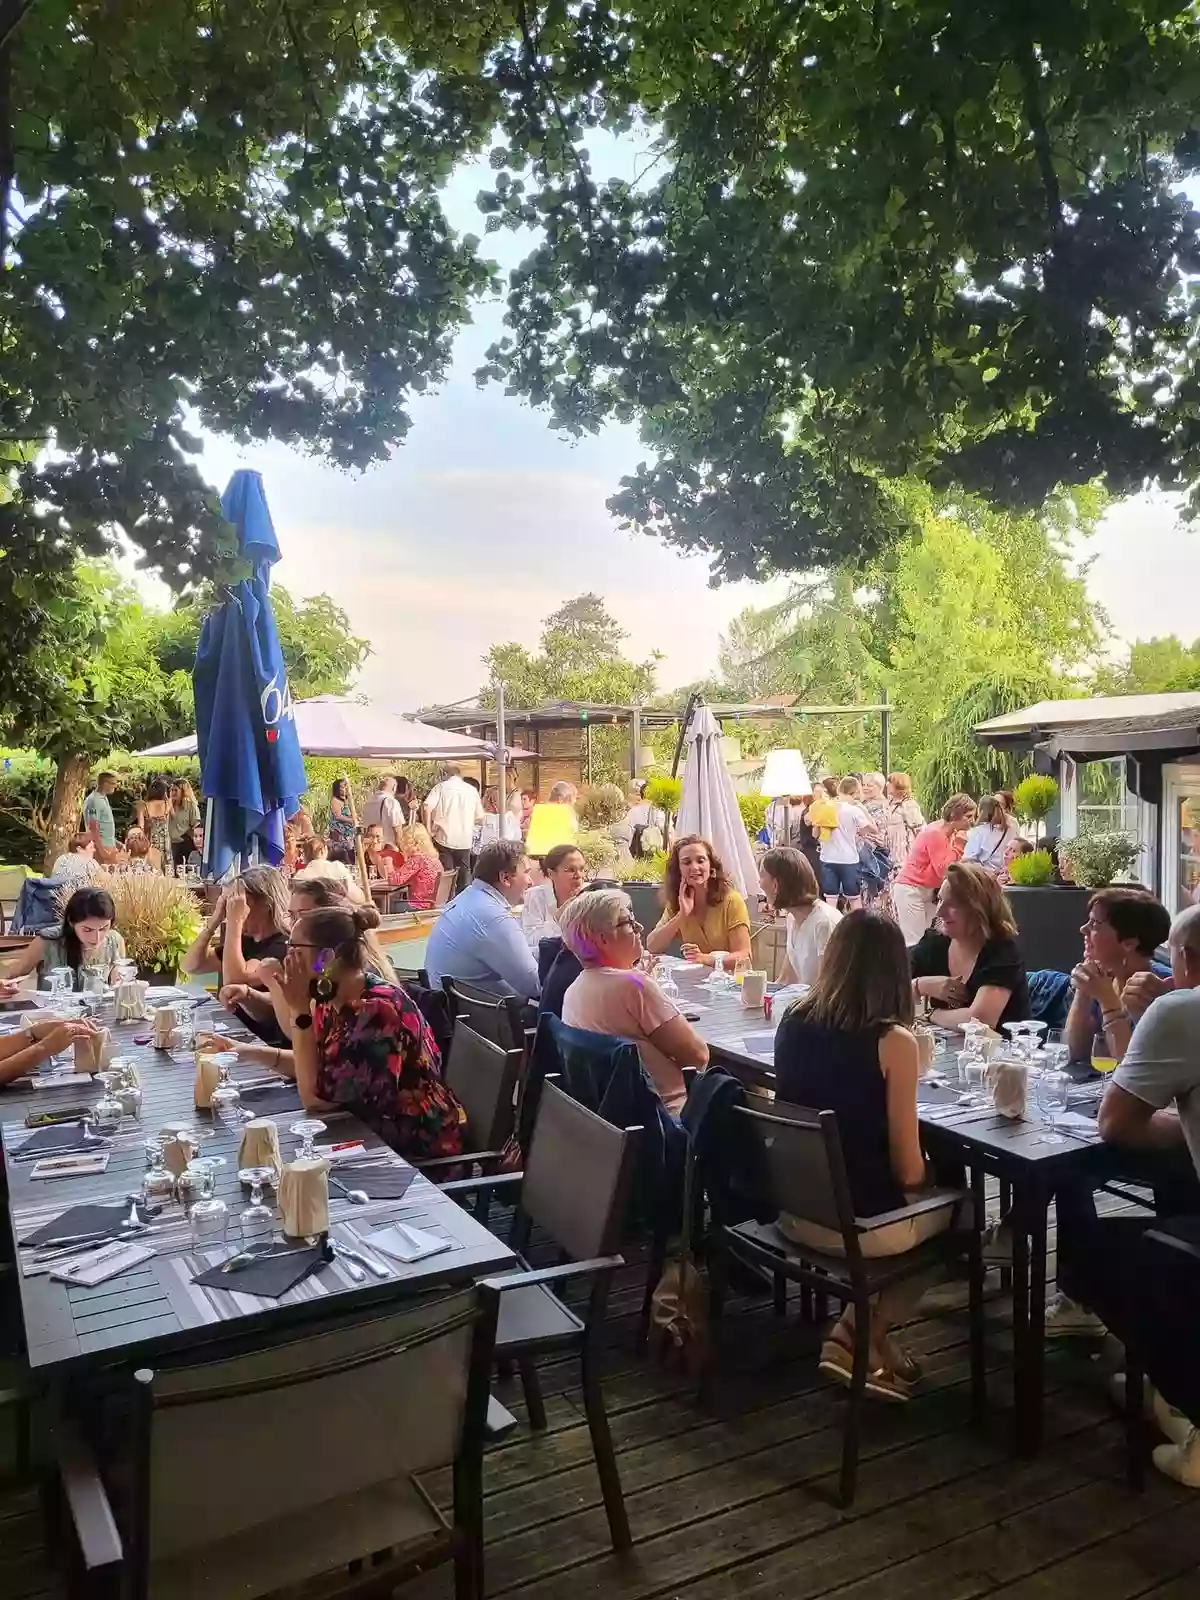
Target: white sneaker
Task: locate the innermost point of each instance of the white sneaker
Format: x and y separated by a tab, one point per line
1172	1424
1181	1461
1066	1319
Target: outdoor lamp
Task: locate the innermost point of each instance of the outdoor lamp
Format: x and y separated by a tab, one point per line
785	774
550	823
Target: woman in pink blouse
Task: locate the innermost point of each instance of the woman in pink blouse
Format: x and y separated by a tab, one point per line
915	890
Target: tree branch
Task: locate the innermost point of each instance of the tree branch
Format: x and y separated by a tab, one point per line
1036	117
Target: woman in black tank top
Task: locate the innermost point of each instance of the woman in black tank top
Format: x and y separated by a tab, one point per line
847	1048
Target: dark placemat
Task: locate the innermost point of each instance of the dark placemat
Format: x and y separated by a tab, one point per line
273	1276
87	1221
60	1138
377	1182
264	1102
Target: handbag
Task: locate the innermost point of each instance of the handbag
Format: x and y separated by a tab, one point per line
679	1306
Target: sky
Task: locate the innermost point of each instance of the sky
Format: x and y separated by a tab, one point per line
485	521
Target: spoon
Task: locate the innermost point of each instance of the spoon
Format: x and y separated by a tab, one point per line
356	1197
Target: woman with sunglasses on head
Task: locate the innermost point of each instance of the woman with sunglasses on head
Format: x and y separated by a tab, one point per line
359	1043
611	996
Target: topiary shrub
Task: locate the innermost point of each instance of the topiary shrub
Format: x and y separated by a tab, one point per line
601	806
665	793
1033	800
599	852
1033	870
650	869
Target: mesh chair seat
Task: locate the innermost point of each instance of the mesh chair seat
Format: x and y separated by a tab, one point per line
273	1555
880	1271
532	1317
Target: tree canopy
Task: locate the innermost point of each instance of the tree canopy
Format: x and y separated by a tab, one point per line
876	239
579	657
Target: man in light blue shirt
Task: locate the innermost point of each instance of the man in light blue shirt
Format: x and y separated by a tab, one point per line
477	939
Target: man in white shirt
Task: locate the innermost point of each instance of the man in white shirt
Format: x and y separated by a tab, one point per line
383	810
452	812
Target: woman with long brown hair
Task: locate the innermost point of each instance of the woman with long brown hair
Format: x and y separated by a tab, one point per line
848	1047
971	968
787	879
703	911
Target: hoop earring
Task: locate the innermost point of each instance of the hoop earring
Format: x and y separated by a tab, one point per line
322	988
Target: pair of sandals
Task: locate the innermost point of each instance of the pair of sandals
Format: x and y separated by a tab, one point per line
891	1372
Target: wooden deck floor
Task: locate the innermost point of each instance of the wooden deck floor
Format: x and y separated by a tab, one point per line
737	1502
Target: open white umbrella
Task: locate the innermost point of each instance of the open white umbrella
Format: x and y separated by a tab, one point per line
709	806
330	725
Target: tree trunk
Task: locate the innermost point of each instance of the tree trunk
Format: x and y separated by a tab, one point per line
70	784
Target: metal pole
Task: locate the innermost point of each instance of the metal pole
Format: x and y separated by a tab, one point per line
501	743
587	745
635	740
693	701
885	736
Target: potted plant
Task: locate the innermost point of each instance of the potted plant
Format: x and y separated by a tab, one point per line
1048	914
1093	860
1033	800
158	918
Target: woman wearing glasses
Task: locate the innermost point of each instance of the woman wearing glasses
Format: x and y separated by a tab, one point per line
611	996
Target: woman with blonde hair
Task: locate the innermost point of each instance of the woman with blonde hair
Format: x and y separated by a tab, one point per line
143	857
971	969
183	816
418	867
903	818
990	839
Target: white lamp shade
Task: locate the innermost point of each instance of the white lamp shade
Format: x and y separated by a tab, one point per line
785	773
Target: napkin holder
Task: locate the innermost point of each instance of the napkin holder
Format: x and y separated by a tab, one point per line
208	1075
260	1147
166	1028
1008	1082
754	989
303	1198
177	1152
94	1051
131	1001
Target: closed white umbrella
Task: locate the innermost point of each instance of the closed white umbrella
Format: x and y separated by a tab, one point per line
709	804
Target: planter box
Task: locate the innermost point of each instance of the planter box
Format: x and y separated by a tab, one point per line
156	979
1048	923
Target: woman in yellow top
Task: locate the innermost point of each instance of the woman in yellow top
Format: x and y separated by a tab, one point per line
703	912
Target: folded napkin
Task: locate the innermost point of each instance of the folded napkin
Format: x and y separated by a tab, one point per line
376	1180
1009	1085
279	1269
88	1222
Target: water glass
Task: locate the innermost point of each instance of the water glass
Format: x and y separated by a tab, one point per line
157	1181
1053	1098
308	1132
226	1102
208	1219
972	1076
667	983
108	1111
973	1036
257	1221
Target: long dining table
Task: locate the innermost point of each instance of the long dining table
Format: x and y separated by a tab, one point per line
1025	1155
156	1309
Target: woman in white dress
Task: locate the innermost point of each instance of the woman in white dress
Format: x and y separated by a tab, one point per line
790	885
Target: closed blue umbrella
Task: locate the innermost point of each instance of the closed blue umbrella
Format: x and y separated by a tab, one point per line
251	769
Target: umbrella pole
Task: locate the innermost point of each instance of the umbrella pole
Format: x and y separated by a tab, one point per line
359	853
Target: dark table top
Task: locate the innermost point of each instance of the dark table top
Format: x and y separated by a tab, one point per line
155	1308
744	1040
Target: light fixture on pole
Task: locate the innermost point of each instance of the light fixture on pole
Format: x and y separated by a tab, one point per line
785	774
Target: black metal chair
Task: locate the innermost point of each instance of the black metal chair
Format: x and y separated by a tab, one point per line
265	1469
484	1079
496	1017
802	1173
574	1188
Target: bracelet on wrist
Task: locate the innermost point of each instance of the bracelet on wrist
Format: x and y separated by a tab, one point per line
1113	1016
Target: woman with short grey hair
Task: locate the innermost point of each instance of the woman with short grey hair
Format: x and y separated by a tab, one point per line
612	996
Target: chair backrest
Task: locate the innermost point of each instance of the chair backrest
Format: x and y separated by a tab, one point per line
577	1175
484	1079
245	1441
11	879
490	1015
768	948
445	888
802	1165
407	975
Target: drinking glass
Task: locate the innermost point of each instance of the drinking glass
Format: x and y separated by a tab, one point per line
226	1102
1053	1098
716	981
308	1132
1103	1059
126	971
972	1076
667	983
157	1182
109	1110
62	980
1017	1039
257	1221
973	1035
186	1025
209	1217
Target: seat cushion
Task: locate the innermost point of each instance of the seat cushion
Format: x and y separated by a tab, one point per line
880	1270
534	1316
322	1539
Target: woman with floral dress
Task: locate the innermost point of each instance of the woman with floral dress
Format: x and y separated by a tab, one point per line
358	1043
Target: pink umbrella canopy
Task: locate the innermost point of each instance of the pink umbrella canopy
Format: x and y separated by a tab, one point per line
332	725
